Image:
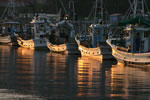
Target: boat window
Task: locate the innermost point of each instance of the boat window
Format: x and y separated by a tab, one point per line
142	45
41	25
41	36
127	33
97	31
145	34
37	28
89	30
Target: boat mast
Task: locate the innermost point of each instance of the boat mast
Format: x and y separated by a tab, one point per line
72	10
62	4
138	8
99	11
10	10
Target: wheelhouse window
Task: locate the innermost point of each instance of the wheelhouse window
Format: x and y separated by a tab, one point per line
126	33
97	31
146	34
89	30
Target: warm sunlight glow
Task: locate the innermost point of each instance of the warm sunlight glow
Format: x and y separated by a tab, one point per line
85	75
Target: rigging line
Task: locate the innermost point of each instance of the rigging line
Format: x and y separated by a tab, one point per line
105	11
145	2
63	6
92	10
95	12
131	5
5	10
127	13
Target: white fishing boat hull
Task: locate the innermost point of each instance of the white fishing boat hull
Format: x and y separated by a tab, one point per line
98	53
129	58
66	48
33	43
5	39
93	53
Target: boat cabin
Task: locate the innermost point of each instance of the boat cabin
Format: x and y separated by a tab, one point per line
64	32
114	18
9	27
40	26
138	39
97	34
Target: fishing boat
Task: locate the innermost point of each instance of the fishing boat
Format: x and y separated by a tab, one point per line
40	29
62	38
93	43
8	34
133	44
9	24
5	39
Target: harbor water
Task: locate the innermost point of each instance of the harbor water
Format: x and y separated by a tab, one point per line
40	75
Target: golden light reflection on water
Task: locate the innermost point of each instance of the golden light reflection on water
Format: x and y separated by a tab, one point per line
23	52
24	68
125	80
25	57
119	81
52	74
25	60
57	58
4	50
87	76
16	67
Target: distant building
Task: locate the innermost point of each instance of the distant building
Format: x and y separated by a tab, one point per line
115	17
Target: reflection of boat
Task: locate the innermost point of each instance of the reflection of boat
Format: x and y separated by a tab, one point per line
127	79
64	39
23	52
133	45
4	50
40	29
88	77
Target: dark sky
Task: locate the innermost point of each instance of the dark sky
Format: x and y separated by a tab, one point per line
83	7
